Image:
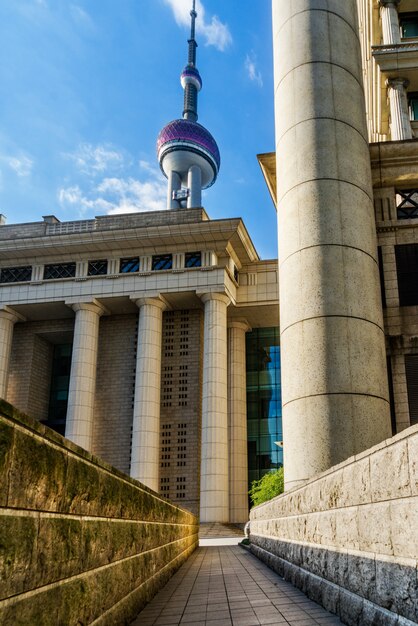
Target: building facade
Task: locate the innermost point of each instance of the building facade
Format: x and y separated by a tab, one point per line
347	146
127	334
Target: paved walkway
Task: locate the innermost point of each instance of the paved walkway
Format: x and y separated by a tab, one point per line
217	534
228	586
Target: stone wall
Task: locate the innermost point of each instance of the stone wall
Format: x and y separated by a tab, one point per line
349	537
80	542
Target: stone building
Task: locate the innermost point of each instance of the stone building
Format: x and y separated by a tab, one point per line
127	333
333	247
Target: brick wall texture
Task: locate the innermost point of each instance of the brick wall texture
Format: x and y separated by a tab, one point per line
181	383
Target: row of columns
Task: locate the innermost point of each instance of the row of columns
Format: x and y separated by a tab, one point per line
223	482
397	85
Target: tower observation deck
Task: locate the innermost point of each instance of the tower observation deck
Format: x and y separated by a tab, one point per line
187	153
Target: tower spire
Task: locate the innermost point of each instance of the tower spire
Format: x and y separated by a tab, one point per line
188	154
190	77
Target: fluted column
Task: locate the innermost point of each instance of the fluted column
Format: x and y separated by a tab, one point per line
214	487
145	451
334	379
237	414
8	318
400	125
81	393
390	22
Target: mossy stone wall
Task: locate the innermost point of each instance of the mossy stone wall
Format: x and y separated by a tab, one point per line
80	542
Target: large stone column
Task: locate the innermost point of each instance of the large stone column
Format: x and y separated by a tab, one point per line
390	22
8	318
335	396
145	452
400	124
81	393
214	498
237	426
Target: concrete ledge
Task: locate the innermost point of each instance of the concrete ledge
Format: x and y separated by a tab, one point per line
354	526
350	607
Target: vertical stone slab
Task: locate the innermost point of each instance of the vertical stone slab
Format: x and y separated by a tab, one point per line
214	487
79	423
335	397
8	318
237	417
146	419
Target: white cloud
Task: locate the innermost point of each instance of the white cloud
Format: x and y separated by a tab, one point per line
22	166
215	32
253	72
81	16
94	160
114	195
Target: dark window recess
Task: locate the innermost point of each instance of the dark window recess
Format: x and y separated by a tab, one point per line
391	395
193	259
382	276
411	368
406	203
129	265
413	105
97	268
60	382
236	273
16	274
407	271
59	270
409	25
162	262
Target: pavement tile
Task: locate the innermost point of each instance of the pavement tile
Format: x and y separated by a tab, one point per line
225	586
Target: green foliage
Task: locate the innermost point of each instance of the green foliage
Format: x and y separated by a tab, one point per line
268	487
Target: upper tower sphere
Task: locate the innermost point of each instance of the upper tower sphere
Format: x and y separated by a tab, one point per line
182	144
187	152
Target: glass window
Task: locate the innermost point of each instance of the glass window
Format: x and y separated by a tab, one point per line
264	417
97	268
60	382
406	204
407	272
162	262
16	274
193	259
59	270
411	368
129	265
409	25
413	106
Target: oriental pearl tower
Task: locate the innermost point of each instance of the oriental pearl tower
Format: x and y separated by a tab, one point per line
187	152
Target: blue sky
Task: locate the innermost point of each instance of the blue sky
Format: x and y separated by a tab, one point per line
86	86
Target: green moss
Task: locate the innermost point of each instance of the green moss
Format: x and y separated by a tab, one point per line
17	554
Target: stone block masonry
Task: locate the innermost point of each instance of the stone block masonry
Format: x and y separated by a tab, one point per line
349	537
80	542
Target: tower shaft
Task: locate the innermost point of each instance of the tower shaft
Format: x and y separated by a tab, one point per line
335	396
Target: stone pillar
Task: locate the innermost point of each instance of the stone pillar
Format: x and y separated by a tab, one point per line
334	381
390	22
214	487
194	183
8	318
81	394
400	124
145	451
237	426
174	184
